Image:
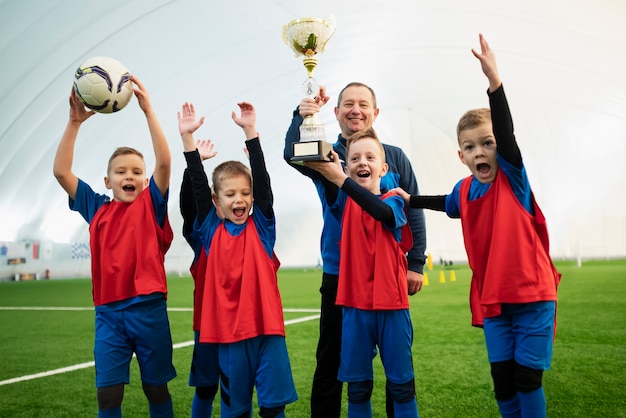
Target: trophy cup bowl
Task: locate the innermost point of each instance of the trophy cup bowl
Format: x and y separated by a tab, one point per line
307	37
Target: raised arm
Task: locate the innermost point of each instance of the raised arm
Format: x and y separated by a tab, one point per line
196	176
500	113
187	199
163	157
187	204
62	168
488	63
261	185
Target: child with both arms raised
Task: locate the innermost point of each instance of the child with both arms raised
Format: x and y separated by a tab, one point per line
241	309
514	283
128	274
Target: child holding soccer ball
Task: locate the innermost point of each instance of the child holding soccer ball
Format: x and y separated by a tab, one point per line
513	291
129	236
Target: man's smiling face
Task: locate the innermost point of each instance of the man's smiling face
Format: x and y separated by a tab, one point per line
356	110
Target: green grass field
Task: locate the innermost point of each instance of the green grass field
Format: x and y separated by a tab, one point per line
587	378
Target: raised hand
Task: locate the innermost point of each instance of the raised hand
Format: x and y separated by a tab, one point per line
488	63
247	120
78	112
248	115
309	107
205	149
141	93
187	123
321	99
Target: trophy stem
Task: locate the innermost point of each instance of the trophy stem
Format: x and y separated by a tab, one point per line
310	63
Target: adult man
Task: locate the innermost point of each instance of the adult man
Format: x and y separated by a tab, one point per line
356	110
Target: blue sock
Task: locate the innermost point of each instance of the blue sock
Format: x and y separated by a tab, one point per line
201	408
533	403
110	413
358	410
406	409
162	410
510	408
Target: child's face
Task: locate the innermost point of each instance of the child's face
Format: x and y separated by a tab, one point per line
126	177
365	164
356	110
478	152
234	199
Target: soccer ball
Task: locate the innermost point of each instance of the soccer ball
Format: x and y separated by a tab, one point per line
103	84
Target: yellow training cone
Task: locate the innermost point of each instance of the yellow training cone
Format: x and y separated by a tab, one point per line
429	261
442	277
452	276
425	279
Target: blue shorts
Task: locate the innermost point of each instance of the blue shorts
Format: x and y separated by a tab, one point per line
142	328
363	331
263	361
523	332
205	368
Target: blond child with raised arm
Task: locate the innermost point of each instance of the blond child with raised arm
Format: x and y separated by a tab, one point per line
513	291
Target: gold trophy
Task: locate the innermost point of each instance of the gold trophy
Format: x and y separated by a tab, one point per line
308	37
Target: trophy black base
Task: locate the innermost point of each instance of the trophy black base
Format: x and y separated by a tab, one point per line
312	151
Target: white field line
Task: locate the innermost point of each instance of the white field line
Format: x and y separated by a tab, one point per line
60	308
43	308
91	363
